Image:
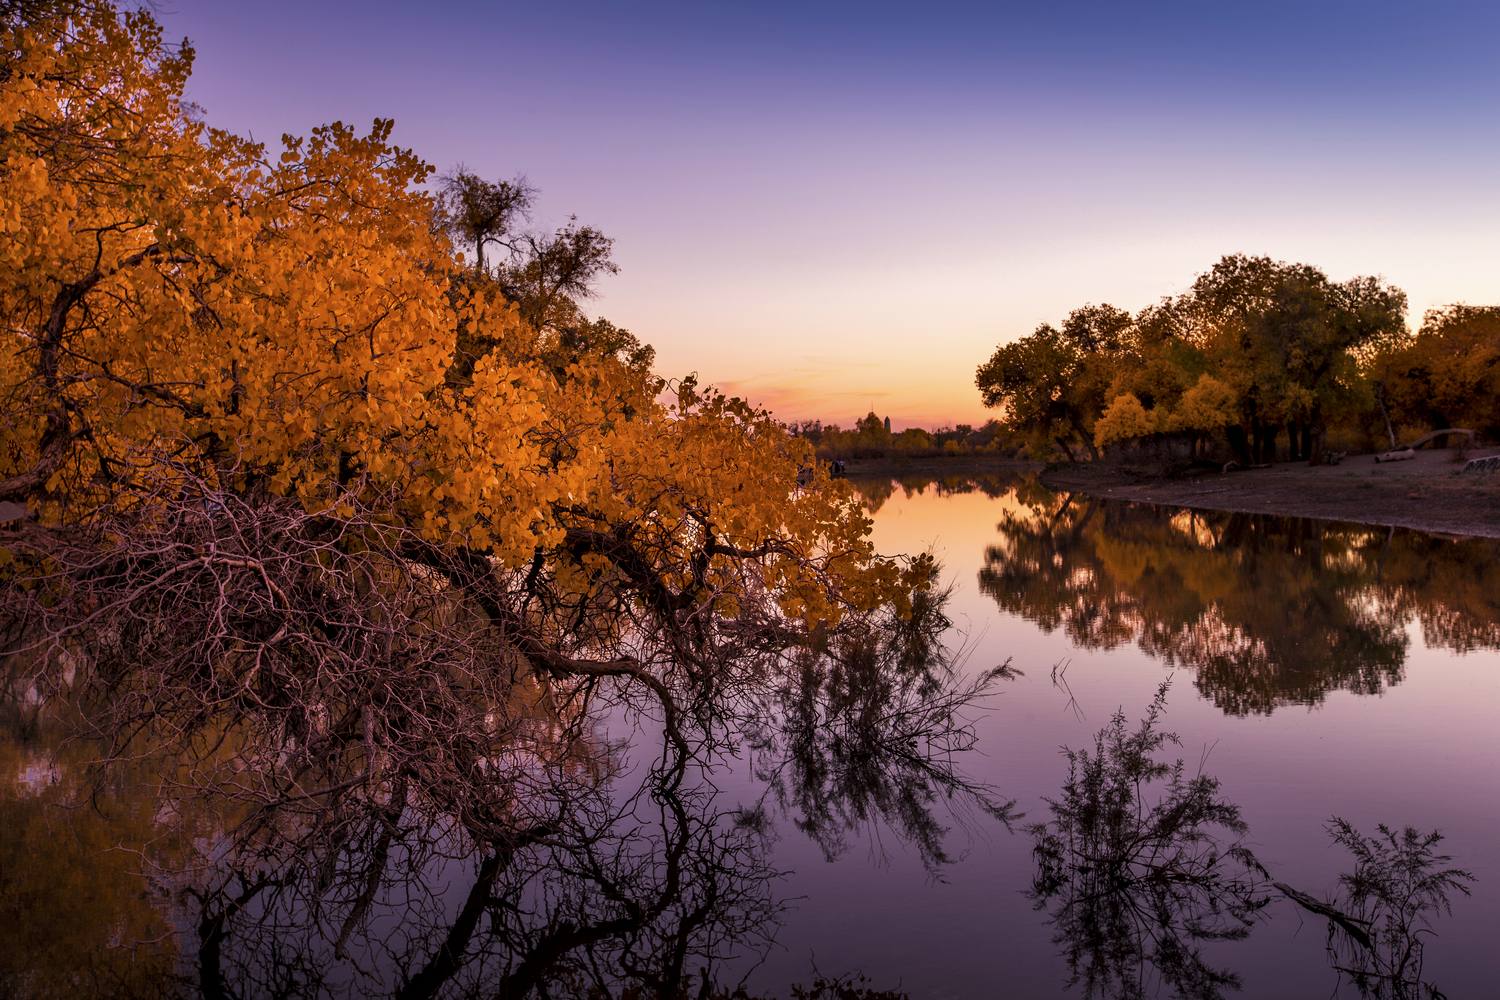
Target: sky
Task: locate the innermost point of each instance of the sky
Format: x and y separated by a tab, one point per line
832	208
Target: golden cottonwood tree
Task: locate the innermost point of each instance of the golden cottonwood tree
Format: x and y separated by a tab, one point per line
344	543
1448	374
181	310
1256	345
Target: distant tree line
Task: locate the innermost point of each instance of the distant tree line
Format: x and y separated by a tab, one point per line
872	437
1256	352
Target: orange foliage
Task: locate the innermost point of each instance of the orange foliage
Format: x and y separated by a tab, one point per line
183	307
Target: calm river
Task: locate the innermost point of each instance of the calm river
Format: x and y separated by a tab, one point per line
1317	669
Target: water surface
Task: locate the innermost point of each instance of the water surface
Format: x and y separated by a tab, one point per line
1317	670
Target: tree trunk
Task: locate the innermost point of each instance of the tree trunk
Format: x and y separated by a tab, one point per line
1306	440
1238	443
1084	436
1066	450
1380	398
1292	453
1268	444
1315	453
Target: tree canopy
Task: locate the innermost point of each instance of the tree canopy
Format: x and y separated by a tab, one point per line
1448	374
186	311
1255	345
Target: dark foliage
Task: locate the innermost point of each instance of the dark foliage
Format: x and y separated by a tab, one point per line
1135	888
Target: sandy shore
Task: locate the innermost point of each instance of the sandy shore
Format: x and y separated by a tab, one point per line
1425	493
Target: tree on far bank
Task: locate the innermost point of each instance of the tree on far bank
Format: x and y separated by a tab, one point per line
1042	386
1256	345
872	428
1288	340
1448	374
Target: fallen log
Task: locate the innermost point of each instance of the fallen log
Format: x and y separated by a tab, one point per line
1396	456
1356	928
1419	442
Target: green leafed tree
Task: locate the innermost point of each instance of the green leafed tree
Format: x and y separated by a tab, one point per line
1051	385
1279	344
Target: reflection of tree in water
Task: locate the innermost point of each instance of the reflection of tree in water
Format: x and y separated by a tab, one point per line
554	867
867	738
876	490
1265	611
76	917
646	892
1450	585
1134	892
1381	918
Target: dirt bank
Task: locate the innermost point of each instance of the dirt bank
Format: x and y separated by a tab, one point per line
1426	493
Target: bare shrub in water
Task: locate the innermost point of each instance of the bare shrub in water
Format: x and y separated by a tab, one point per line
1132	885
1398	887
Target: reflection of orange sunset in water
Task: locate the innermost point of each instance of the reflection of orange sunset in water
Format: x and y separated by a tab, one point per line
918	520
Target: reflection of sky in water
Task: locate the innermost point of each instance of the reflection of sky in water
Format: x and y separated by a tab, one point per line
1423	751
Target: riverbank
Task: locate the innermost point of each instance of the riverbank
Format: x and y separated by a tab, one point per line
1425	493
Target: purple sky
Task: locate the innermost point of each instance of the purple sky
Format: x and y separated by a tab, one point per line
834	207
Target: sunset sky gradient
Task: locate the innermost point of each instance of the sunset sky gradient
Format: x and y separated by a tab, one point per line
830	208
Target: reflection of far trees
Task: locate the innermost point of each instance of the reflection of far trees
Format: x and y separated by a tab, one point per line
1265	611
1450	585
875	491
